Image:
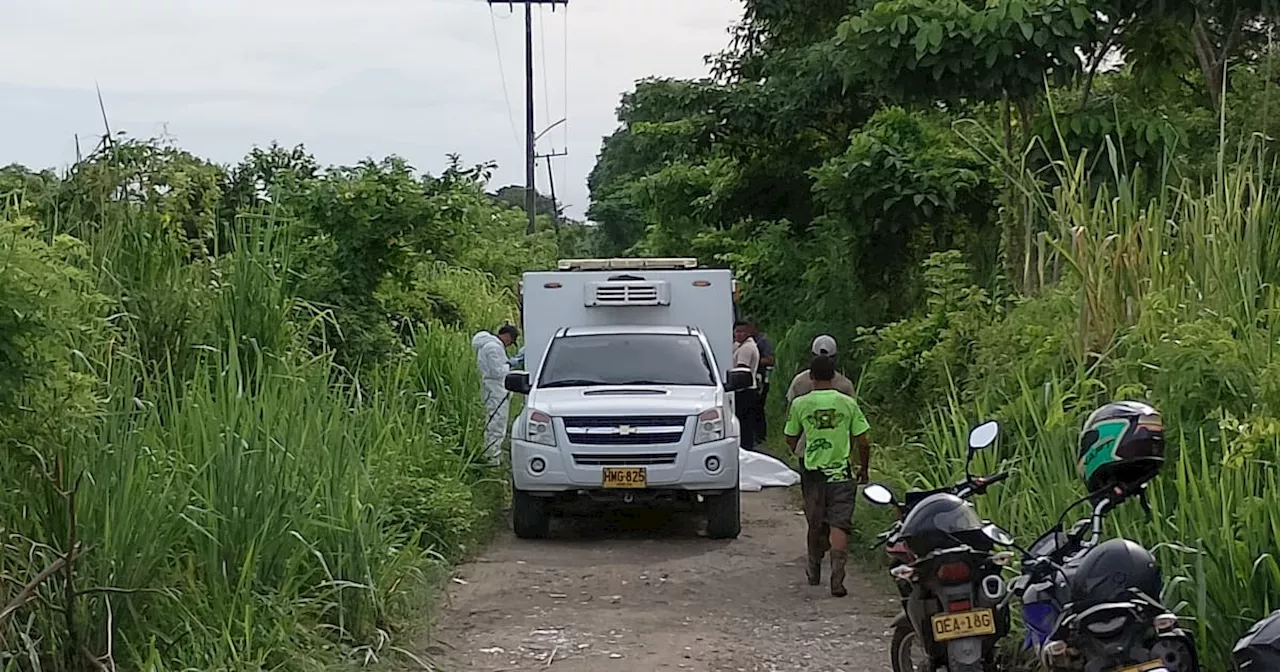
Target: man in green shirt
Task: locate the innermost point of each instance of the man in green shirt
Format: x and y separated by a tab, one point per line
831	422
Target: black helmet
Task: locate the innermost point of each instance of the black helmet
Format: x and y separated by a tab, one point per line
941	515
1259	649
1122	445
1109	570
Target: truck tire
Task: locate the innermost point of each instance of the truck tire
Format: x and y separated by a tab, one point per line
724	515
529	516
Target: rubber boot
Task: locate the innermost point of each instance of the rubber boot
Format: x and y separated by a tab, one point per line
817	549
838	560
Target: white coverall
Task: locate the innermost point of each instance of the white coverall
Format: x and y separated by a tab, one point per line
491	357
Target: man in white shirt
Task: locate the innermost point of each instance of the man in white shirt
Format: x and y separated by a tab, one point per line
746	355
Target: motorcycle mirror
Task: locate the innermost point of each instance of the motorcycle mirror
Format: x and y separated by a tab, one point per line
983	435
878	494
998	535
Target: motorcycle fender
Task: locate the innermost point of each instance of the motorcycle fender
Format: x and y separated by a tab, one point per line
965	654
901	621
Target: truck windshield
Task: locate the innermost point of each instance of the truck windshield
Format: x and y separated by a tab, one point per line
627	359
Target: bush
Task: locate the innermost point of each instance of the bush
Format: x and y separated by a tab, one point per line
239	443
1169	302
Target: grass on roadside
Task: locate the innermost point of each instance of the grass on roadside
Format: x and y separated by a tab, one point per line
1170	298
235	501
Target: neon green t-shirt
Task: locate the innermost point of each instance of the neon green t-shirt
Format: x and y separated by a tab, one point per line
828	419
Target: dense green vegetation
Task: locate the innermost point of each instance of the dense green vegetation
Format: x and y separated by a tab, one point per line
1014	209
239	405
238	408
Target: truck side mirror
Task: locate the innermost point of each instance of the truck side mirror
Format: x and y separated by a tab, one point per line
518	382
738	379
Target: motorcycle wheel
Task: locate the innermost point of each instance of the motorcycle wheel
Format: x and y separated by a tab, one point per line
908	652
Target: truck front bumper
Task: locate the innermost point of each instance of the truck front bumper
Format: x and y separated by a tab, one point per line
561	471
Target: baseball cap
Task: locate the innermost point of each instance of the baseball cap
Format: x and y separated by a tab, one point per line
824	345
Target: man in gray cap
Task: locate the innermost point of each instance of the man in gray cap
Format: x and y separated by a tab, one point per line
812	481
803	384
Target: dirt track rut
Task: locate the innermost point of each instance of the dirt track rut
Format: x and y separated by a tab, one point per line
647	592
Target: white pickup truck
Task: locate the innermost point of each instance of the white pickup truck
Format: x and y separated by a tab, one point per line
629	401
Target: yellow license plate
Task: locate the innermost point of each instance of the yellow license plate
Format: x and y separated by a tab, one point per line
947	627
626	477
1145	667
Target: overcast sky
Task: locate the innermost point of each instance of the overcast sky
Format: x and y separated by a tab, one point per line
349	79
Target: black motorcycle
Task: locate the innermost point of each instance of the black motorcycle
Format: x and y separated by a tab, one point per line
1094	606
1259	649
948	572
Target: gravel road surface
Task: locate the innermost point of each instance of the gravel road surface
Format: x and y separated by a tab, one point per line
647	591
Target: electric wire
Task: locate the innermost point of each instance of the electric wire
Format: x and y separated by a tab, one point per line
546	88
542	39
502	73
564	165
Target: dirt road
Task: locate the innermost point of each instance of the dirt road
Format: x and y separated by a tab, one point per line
645	593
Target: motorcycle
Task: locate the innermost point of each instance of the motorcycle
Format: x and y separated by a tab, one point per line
1093	606
1259	649
948	572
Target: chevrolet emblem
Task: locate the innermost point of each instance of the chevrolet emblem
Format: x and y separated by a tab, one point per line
626	429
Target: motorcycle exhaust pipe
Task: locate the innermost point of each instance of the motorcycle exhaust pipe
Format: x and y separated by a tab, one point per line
994	588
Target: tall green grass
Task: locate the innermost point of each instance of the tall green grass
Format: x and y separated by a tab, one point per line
235	501
1169	296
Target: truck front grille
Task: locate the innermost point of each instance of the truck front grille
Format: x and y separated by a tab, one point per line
628	431
634	459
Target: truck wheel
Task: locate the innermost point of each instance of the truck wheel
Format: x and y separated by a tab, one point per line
724	515
529	516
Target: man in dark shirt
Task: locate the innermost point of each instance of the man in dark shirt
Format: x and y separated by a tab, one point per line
747	402
765	371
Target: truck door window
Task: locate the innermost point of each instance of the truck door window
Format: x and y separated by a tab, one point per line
627	359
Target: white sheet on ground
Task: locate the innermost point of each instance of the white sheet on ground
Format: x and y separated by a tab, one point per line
757	470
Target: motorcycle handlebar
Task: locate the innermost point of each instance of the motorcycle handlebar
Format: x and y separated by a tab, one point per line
995	479
964	490
978	486
884	537
1083	535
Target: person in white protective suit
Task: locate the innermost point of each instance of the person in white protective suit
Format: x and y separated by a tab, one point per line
491	358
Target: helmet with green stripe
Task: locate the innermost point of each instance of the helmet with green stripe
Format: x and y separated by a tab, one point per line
1122	445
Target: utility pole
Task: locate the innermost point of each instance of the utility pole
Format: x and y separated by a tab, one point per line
551	178
530	196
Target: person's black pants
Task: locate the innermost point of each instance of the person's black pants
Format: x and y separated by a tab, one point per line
762	422
747	407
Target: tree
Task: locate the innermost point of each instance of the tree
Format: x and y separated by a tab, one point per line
663	120
922	51
515	196
1222	31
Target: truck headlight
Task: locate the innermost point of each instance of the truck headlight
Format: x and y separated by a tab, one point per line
538	429
710	427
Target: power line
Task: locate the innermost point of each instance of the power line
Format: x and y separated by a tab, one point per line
542	39
530	201
565	164
502	73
